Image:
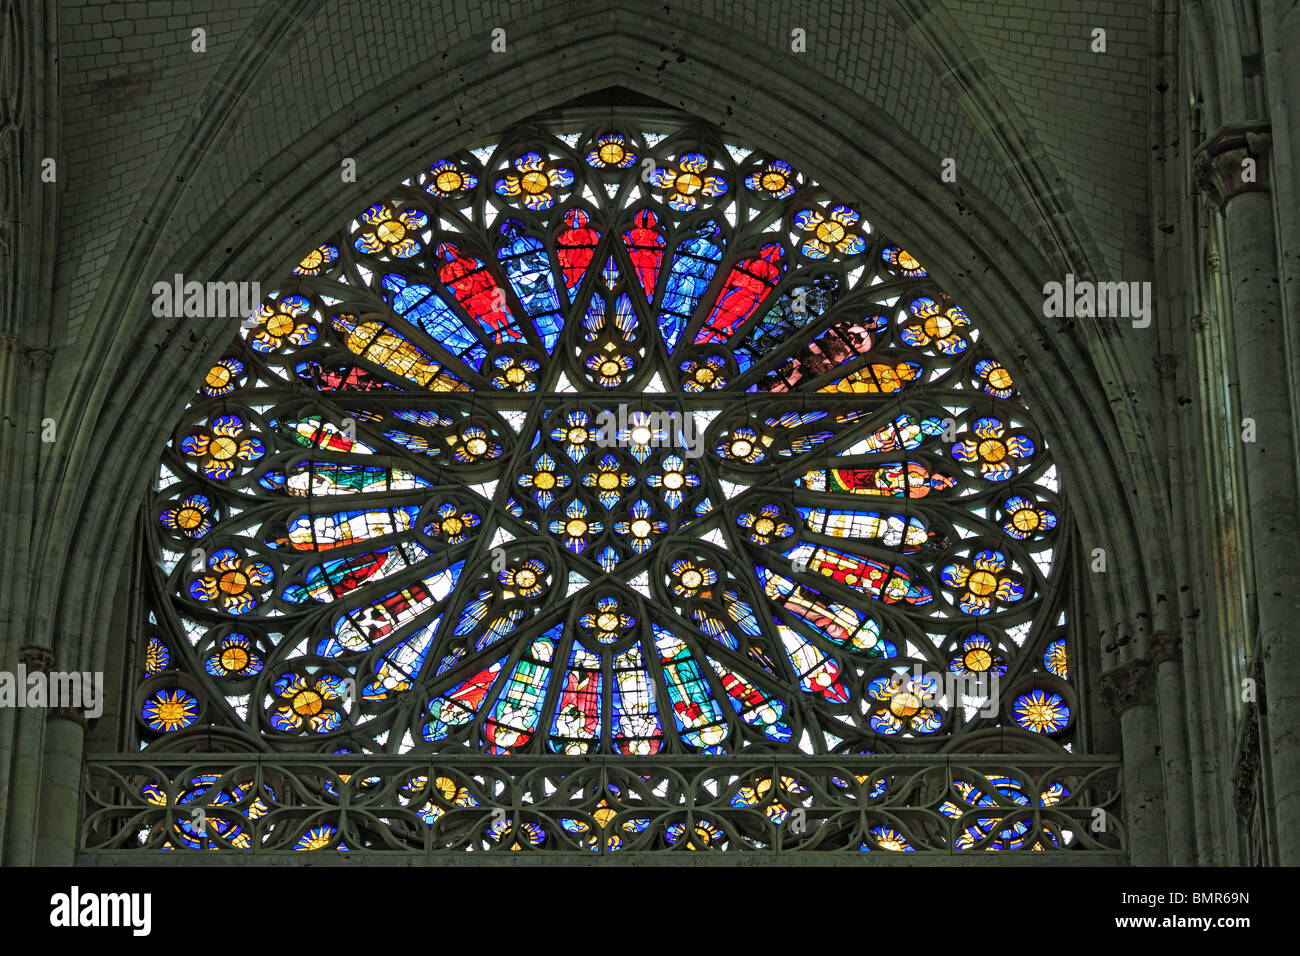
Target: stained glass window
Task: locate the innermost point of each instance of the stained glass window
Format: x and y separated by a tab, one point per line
609	440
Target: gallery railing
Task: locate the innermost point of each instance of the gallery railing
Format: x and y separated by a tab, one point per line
833	808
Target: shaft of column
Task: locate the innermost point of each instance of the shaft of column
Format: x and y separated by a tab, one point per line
56	834
1271	490
1171	700
1233	167
25	769
1129	691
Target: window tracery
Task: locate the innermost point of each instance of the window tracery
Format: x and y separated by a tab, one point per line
608	440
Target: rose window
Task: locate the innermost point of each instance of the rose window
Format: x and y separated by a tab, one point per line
537	454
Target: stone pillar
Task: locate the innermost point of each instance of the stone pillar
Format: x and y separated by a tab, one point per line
56	834
1171	700
25	770
1280	30
1129	691
1270	459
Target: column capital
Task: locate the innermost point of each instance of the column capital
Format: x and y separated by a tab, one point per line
73	714
1129	685
1165	646
1219	162
39	360
36	658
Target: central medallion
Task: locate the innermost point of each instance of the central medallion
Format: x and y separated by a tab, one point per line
611	481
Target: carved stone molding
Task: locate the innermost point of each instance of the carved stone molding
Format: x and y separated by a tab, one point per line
71	713
1129	685
1165	646
1219	162
36	658
39	360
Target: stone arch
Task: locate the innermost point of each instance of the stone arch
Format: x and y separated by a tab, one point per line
127	388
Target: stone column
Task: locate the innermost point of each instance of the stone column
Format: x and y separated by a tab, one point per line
25	770
1280	33
1129	691
1270	459
56	834
1171	701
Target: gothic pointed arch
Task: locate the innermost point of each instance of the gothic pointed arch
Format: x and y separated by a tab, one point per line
594	430
613	437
